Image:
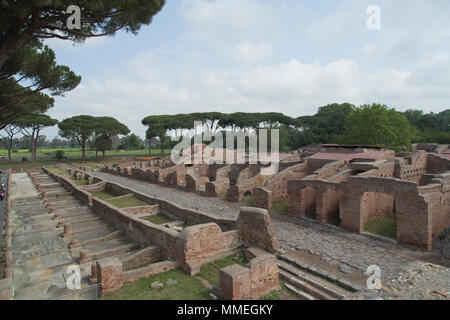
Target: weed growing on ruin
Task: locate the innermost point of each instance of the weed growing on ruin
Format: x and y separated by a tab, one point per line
211	271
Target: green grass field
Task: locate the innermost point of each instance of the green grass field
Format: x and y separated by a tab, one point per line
126	202
46	157
103	195
72	153
385	226
187	288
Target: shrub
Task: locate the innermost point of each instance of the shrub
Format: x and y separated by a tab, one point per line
59	154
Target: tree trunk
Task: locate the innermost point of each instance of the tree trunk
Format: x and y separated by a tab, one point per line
9	148
149	149
83	148
33	149
161	139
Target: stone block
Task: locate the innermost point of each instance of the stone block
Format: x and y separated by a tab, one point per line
109	275
235	282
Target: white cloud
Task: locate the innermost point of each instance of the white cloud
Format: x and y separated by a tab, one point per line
233	55
252	53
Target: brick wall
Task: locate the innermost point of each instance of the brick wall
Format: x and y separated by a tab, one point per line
256	229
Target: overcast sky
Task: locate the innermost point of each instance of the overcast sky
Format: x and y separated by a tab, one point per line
289	56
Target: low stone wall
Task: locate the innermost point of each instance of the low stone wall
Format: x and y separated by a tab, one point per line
95	187
150	209
147	271
142	257
141	231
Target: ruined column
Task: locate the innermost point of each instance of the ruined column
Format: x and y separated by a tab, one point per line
85	256
67	230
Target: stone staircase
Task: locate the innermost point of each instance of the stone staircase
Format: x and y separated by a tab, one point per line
42	251
309	285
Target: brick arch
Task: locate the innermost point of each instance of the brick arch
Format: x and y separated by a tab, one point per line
413	219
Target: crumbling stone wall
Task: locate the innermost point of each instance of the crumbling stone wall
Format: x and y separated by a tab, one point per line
275	188
194	184
256	229
198	243
437	164
411	166
218	187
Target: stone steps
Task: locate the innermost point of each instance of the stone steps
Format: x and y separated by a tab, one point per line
323	275
303	287
114	251
110	236
299	293
321	288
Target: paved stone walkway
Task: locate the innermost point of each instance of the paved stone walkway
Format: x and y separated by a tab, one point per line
39	253
336	246
333	245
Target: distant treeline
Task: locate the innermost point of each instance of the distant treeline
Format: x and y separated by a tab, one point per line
344	123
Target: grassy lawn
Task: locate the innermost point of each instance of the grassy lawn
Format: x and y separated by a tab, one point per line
385	226
126	202
71	153
158	219
211	271
58	171
103	195
280	207
45	157
81	182
187	288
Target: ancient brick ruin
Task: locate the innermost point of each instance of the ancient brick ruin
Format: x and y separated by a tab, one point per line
350	191
346	186
117	245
